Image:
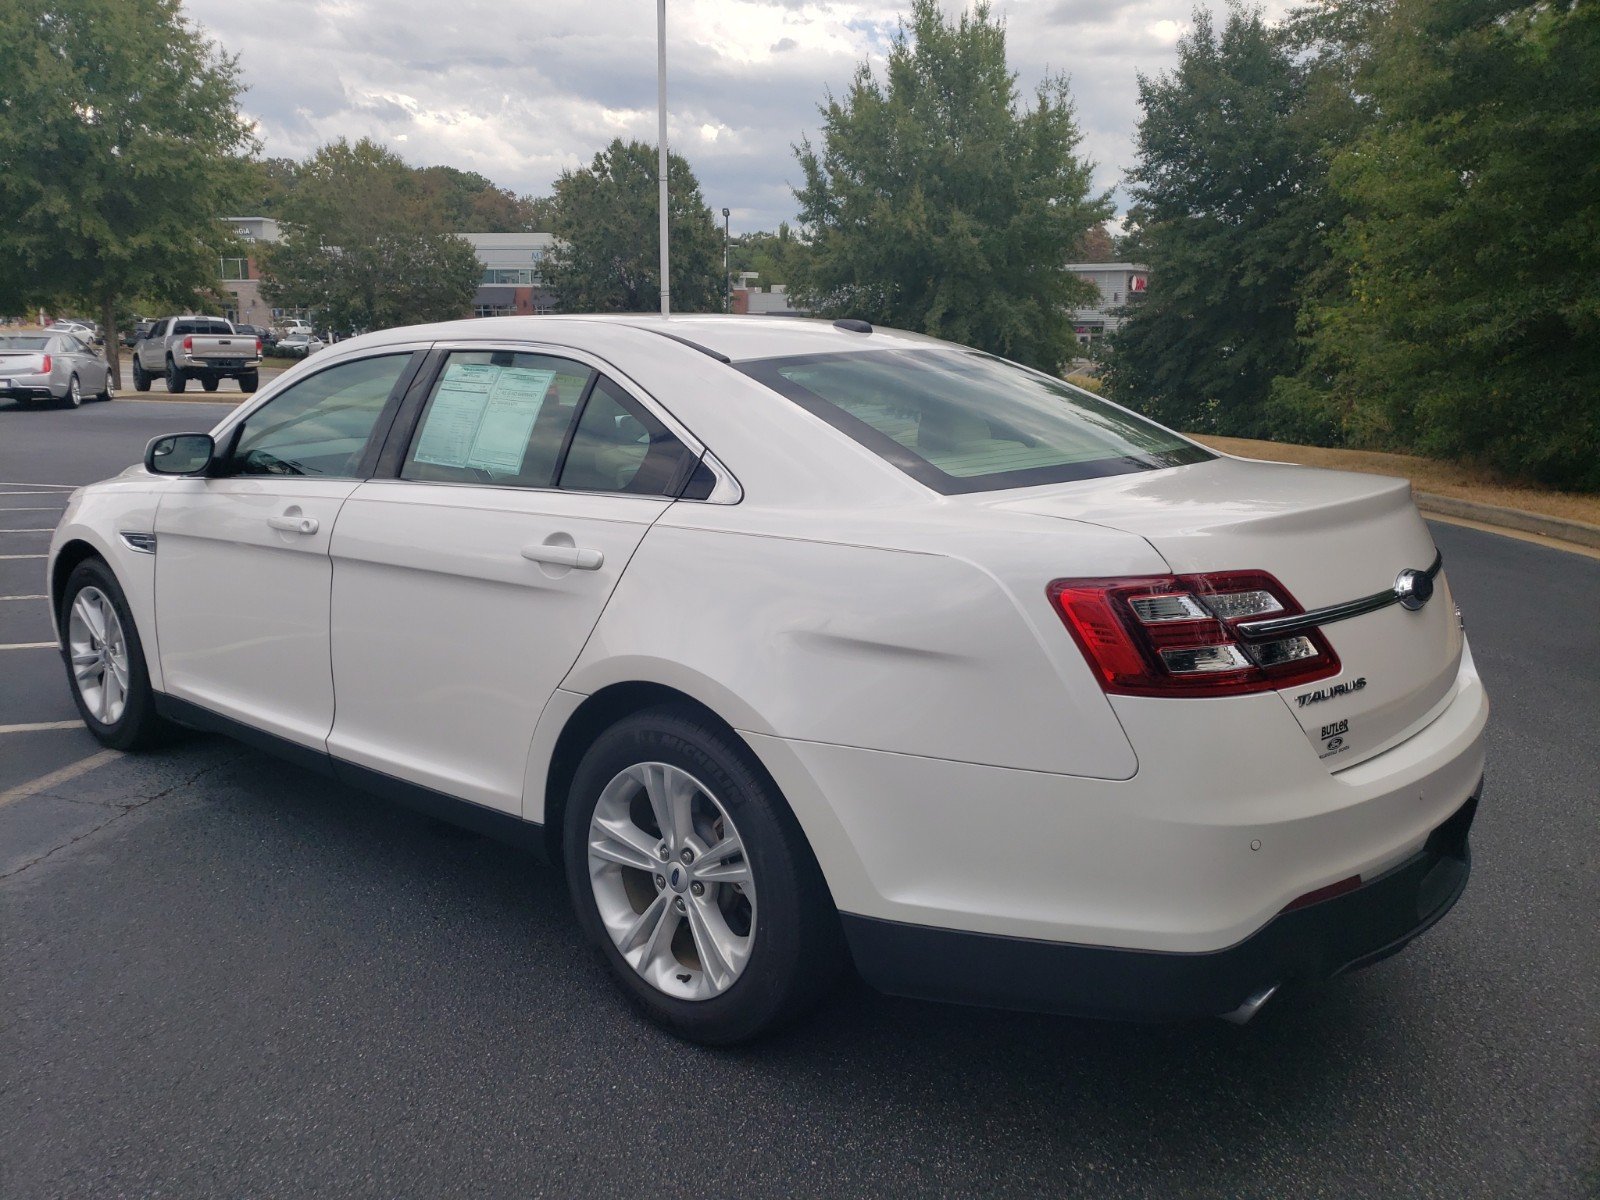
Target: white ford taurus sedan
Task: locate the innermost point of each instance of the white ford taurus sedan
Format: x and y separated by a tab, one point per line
802	644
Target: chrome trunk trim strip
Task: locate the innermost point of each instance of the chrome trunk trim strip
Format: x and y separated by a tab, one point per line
1412	589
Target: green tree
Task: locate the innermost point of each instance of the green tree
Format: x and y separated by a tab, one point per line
608	243
773	257
1470	326
1230	207
940	202
364	247
473	204
121	147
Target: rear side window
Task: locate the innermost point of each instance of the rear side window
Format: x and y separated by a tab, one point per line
321	425
497	417
619	446
961	421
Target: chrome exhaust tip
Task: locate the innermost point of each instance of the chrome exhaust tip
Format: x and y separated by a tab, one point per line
1242	1014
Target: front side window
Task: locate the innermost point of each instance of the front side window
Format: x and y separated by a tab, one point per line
961	421
497	417
321	425
619	446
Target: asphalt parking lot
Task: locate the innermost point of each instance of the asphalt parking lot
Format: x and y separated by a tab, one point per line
222	976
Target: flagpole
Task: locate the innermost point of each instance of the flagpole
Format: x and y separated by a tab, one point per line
661	111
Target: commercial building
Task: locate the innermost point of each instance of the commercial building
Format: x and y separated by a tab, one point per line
239	277
511	284
1119	285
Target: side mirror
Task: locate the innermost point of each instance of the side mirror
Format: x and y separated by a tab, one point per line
179	454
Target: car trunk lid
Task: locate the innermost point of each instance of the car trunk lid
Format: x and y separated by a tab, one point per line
1329	537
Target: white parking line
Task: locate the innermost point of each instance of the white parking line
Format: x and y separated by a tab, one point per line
5	483
41	727
24	597
41	508
27	530
15	557
27	493
29	646
65	775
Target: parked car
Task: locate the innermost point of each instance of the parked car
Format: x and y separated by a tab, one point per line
51	366
87	332
141	329
799	643
189	347
298	345
261	332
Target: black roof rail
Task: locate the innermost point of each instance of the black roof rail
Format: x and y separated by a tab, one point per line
853	325
706	350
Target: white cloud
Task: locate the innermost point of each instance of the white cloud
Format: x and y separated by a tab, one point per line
520	91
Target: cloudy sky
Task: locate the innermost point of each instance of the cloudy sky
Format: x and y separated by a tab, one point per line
520	90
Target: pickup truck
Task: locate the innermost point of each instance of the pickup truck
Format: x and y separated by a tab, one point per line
190	347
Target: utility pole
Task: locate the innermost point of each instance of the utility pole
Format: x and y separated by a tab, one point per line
661	110
727	280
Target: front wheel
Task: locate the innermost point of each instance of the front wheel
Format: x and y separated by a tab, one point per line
176	379
693	879
105	661
141	381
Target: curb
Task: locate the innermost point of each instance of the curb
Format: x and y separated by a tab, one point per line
1577	532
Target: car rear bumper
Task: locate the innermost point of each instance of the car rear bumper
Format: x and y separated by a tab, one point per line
1315	942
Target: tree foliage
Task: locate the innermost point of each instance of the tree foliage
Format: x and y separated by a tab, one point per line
1469	326
940	202
607	252
772	257
121	148
365	247
1230	209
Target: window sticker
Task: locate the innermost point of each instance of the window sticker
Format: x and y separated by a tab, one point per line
482	416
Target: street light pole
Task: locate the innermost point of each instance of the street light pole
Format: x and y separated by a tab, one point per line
661	111
727	280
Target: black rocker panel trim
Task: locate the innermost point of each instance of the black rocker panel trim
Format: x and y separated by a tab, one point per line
490	822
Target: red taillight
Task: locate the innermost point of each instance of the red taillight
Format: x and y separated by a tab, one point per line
45	370
188	343
1177	635
258	347
1318	895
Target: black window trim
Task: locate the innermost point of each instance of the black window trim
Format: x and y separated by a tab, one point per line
366	466
913	464
403	428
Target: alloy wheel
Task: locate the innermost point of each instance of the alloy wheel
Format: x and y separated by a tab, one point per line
74	392
99	653
671	881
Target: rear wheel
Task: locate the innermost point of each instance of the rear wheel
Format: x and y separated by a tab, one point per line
694	881
176	379
209	385
248	381
105	661
141	381
74	396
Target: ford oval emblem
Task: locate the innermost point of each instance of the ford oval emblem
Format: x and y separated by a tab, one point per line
1413	589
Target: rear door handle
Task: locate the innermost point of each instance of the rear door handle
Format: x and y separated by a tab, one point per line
578	557
293	524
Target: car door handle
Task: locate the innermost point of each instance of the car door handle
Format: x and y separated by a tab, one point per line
556	555
293	524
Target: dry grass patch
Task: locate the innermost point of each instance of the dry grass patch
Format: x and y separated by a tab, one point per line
1426	475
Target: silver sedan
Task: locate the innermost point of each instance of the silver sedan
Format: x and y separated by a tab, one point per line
51	367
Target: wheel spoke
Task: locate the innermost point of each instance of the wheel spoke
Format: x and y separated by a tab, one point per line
119	669
89	615
713	941
623	843
670	797
713	866
85	665
108	683
654	924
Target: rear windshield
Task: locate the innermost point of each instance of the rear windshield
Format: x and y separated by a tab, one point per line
203	327
961	421
16	342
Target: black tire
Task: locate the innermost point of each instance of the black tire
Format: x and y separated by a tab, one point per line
139	727
209	385
249	381
105	388
798	949
74	394
177	380
141	381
